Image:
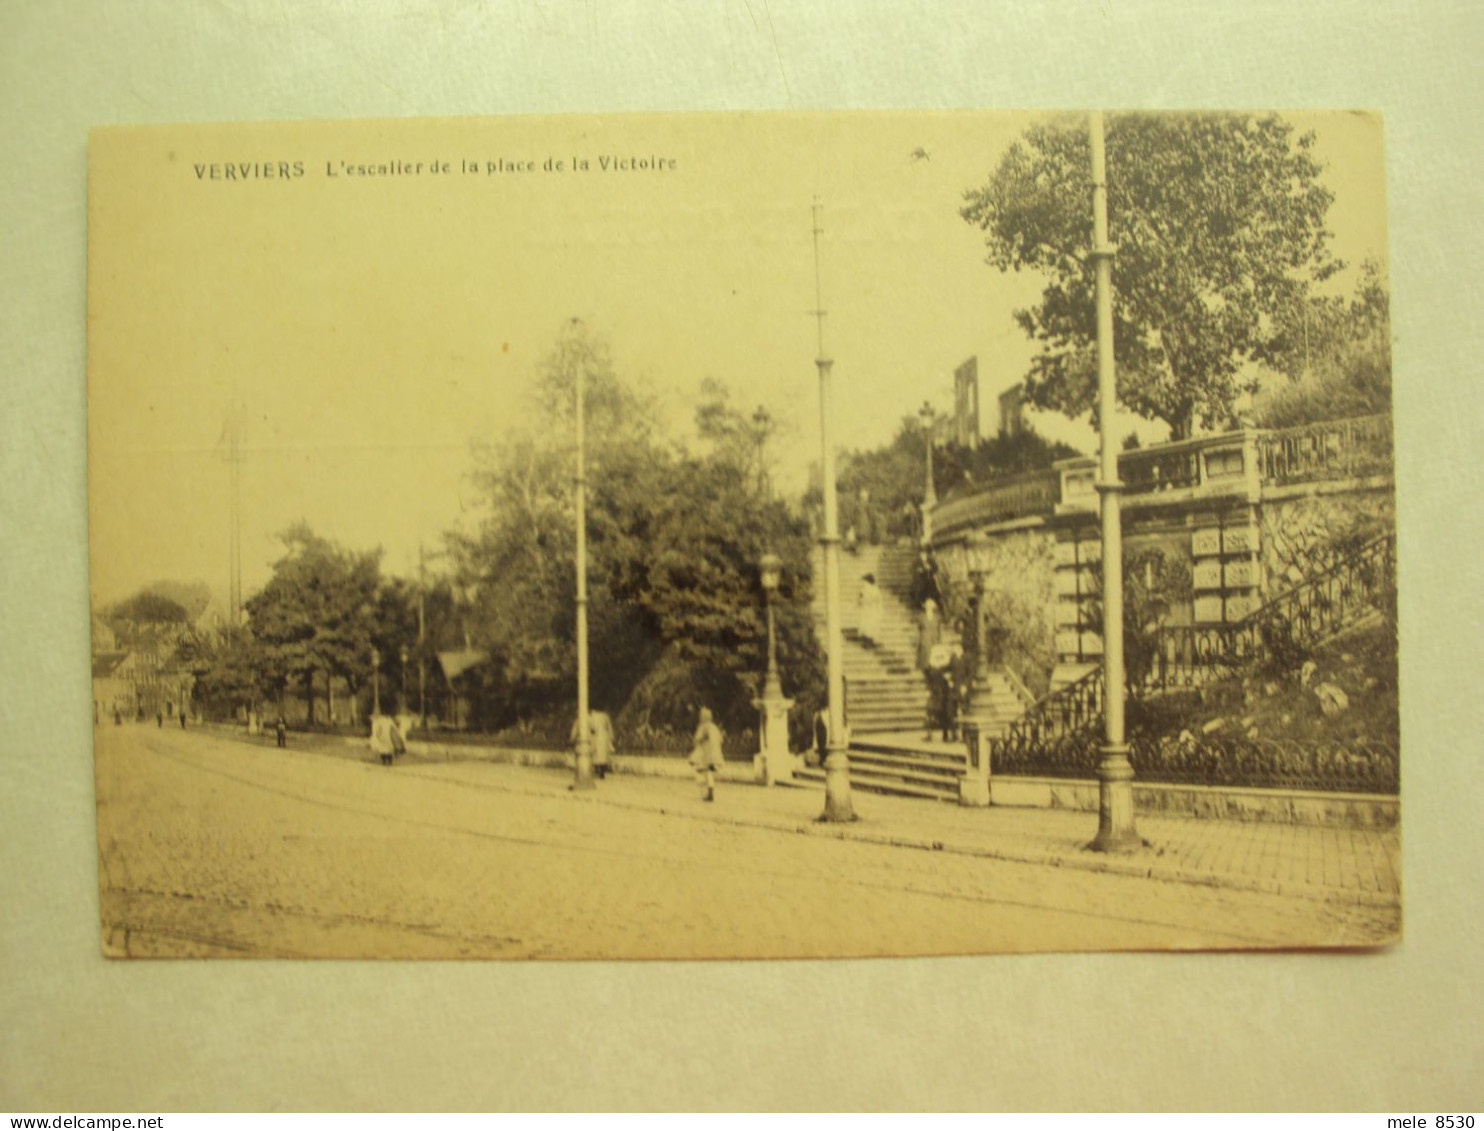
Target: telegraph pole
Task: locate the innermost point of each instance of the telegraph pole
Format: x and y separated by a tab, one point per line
1115	774
583	770
837	801
234	472
422	637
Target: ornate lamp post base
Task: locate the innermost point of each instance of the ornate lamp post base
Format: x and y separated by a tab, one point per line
774	764
1116	832
837	803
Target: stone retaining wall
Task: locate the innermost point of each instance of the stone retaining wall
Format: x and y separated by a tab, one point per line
1277	806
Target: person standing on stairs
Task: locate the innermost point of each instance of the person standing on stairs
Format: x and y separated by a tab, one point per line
869	610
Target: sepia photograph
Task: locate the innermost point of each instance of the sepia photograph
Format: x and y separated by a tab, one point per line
743	536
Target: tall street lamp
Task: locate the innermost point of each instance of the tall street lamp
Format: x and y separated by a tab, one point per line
770	569
774	763
977	550
1116	831
837	800
582	774
929	492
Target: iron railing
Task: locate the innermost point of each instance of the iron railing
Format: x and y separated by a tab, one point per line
1034	493
1194	655
1333	449
1053	736
1061	735
1214	760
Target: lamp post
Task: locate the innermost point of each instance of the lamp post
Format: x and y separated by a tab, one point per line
977	543
402	703
376	681
1116	831
929	492
582	773
773	763
770	569
837	801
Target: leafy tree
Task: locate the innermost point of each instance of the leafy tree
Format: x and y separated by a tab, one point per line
1336	354
316	615
1219	224
229	669
674	615
147	607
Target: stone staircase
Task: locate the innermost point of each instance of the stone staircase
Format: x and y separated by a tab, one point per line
886	695
884	691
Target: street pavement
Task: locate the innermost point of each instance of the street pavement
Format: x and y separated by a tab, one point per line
210	845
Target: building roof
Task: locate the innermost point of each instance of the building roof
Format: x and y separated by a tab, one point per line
106	664
455	663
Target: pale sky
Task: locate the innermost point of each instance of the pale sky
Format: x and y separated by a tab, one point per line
374	326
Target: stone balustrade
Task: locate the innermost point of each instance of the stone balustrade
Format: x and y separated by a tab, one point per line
1240	463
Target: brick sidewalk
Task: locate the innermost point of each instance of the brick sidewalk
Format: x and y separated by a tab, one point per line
1351	865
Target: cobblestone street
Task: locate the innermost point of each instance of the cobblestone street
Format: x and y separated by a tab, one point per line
209	845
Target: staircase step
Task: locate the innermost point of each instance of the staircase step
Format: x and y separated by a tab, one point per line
935	766
885	786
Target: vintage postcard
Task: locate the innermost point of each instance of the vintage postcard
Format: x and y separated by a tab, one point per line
743	536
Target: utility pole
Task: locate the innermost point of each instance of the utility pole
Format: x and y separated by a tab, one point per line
583	770
234	465
837	800
1115	774
422	637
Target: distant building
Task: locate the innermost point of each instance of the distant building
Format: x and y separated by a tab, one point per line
966	404
1012	410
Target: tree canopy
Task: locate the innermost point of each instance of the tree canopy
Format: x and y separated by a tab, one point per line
1219	225
317	613
674	539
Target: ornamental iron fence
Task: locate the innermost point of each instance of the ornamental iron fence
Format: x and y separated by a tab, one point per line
1280	630
1333	449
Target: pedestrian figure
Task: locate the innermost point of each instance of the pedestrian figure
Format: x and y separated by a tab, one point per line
821	735
118	717
159	718
281	730
927	634
705	754
599	741
602	740
386	738
868	603
182	718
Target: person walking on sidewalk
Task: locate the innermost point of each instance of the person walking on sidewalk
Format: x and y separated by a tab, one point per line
281	732
705	754
602	735
385	738
599	741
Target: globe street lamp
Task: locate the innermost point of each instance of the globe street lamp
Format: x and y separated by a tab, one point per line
773	763
977	550
770	569
929	492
